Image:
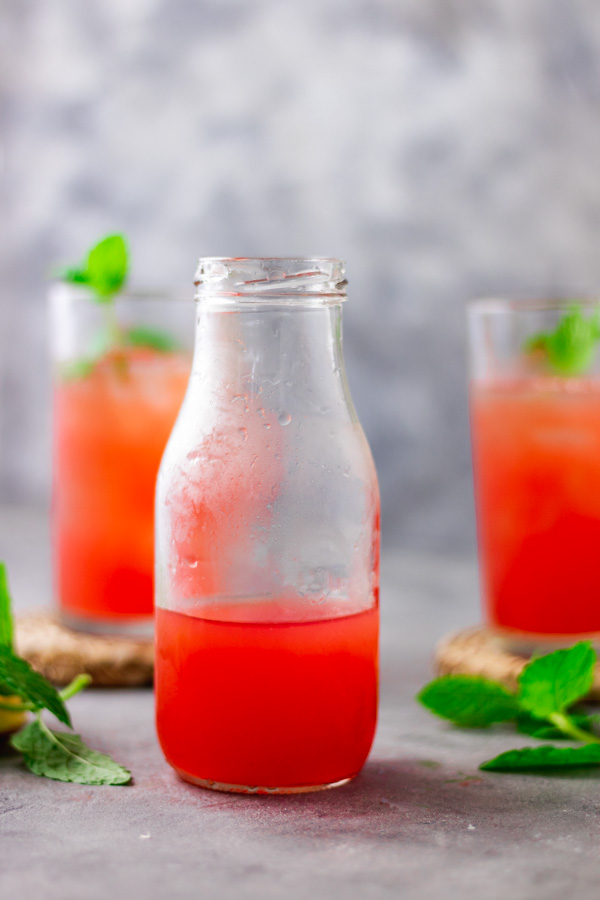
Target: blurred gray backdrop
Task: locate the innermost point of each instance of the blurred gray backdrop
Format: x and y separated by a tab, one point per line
445	149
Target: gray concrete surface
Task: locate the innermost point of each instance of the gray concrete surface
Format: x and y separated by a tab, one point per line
419	822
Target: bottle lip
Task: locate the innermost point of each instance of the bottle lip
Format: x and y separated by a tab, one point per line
246	279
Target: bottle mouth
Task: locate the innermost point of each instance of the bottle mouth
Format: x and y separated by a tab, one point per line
246	279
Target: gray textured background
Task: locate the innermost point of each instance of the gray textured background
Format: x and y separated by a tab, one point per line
445	149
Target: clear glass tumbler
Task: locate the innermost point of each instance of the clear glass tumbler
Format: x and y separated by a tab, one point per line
535	427
120	374
267	554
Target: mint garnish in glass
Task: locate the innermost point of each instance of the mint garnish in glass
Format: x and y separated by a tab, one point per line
105	270
569	349
105	273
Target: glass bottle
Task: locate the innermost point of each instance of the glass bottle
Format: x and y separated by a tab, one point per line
267	541
120	372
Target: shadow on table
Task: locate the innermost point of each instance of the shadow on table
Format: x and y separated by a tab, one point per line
390	798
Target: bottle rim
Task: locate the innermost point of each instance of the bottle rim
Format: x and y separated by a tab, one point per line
260	279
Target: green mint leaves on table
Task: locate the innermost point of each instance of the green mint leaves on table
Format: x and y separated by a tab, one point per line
64	757
56	754
544	757
550	684
105	270
571	347
548	687
468	701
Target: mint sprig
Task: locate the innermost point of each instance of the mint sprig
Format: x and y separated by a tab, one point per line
571	347
548	687
64	757
57	755
105	272
105	269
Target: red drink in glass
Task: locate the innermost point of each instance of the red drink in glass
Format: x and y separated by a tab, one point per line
536	449
247	694
110	429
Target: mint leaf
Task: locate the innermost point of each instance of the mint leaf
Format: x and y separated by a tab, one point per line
140	336
571	347
552	683
105	271
544	758
64	757
468	700
107	265
17	675
6	620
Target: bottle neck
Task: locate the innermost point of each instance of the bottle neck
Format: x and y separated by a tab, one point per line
279	356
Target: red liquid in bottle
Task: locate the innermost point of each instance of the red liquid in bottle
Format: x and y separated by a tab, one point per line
247	697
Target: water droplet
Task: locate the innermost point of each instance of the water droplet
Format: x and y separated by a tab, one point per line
244	433
254	458
284	419
261	412
190	562
241	397
266	425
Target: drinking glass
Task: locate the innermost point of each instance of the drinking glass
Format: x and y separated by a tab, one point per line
120	374
535	427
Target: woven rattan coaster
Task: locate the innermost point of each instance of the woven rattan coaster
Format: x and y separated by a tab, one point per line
477	651
60	654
